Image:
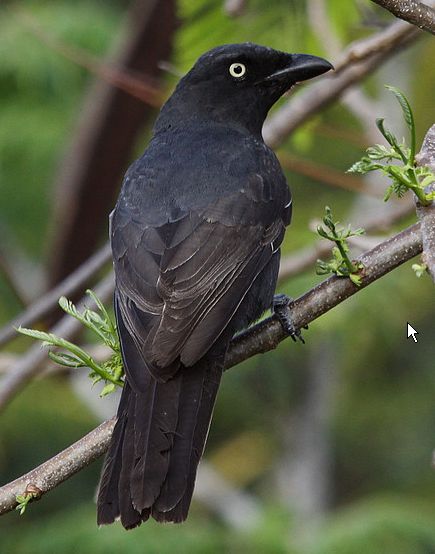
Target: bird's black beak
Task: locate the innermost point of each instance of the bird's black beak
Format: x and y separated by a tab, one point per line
300	68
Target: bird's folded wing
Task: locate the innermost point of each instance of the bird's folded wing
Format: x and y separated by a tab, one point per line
179	284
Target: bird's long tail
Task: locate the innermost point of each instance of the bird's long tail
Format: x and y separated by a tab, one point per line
159	437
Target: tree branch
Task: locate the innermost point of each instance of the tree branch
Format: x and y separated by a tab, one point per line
359	60
379	261
426	214
324	174
142	87
411	11
357	101
260	338
8	274
49	301
61	467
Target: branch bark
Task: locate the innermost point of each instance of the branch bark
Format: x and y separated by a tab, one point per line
261	338
426	214
61	467
417	13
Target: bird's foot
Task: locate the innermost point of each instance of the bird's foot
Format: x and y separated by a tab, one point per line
281	308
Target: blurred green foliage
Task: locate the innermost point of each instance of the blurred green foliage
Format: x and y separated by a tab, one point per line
381	429
40	93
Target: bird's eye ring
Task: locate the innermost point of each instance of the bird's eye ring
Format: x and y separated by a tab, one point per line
237	70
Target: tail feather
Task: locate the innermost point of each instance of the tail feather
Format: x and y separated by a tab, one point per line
156	418
198	397
156	447
201	433
108	498
130	517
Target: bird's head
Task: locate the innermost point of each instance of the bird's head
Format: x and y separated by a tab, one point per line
237	84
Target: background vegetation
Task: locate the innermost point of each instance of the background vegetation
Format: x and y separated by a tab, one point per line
330	443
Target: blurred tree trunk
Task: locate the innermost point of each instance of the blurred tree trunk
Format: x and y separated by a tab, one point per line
304	473
92	169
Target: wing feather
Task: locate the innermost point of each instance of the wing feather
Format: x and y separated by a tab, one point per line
181	280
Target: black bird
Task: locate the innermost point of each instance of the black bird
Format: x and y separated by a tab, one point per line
196	236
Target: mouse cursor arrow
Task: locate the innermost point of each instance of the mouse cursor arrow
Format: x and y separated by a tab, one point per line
411	332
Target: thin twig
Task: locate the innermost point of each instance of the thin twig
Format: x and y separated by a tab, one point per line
320	24
341	133
417	13
50	474
46	303
324	174
235	8
355	98
141	87
29	364
426	214
24	276
259	339
8	275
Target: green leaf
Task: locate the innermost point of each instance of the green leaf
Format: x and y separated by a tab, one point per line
385	132
404	104
408	117
362	166
405	176
321	231
39	335
110	371
24	499
340	263
381	152
66	360
356	279
108	321
322	268
109	388
101	325
22	503
419	269
428	180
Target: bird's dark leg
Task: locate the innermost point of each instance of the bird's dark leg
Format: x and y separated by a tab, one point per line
281	307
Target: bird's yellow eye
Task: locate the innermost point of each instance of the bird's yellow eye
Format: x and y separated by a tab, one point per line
237	70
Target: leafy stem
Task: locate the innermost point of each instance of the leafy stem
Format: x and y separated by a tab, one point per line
340	264
404	174
111	371
31	493
419	269
350	266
